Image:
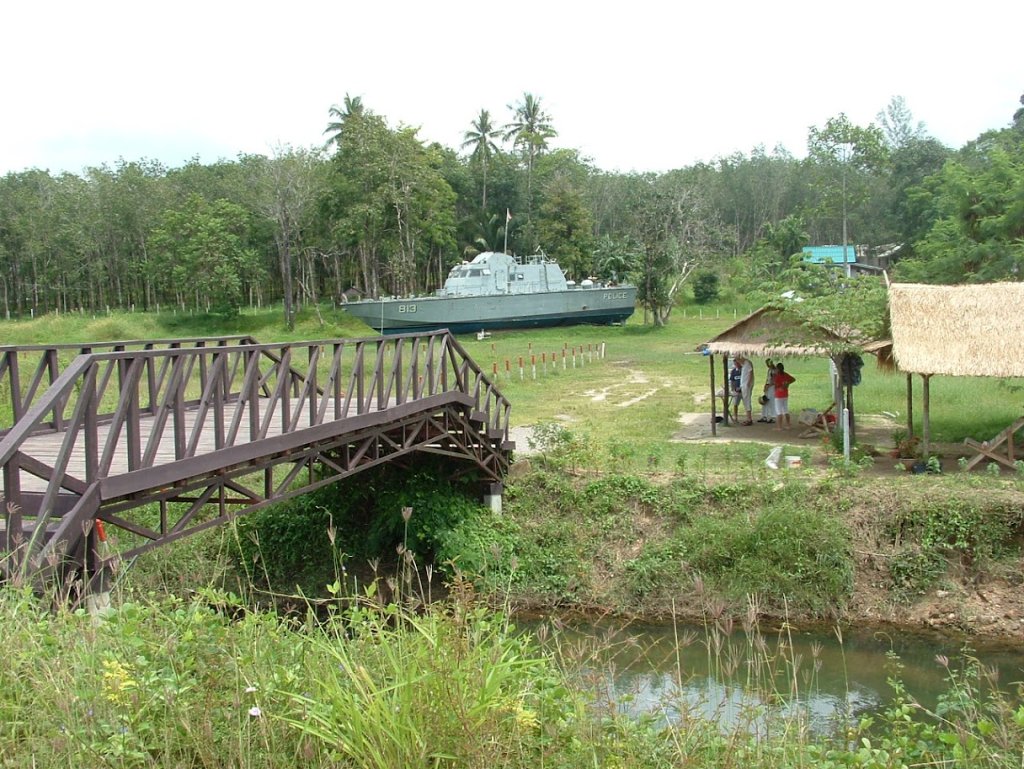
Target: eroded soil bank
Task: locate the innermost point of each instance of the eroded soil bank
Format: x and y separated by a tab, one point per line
938	557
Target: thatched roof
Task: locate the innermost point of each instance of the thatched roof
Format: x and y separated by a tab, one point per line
958	330
770	332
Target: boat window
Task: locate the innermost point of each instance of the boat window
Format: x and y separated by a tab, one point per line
474	273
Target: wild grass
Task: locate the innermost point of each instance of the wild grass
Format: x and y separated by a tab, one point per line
165	682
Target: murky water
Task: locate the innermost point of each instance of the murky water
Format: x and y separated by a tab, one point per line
826	677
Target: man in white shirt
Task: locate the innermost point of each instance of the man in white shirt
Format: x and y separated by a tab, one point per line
747	388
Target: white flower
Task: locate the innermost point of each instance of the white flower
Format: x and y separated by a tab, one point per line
255	711
250	689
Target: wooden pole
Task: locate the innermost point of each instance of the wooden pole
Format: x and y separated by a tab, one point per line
910	405
725	390
926	427
714	398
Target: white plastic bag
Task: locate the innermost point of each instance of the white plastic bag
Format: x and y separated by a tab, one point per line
772	462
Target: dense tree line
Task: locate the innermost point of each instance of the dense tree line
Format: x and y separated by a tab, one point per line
378	210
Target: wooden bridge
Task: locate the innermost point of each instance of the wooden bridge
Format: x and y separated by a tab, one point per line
146	442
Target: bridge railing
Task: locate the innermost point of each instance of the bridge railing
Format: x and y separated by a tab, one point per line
130	410
28	371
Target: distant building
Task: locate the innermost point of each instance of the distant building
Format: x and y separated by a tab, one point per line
855	256
830	254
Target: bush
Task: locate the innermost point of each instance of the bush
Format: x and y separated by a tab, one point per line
289	543
705	288
789	554
302	541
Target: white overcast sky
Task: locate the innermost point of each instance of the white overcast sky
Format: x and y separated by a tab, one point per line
641	85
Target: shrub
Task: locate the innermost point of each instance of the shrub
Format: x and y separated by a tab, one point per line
705	288
787	555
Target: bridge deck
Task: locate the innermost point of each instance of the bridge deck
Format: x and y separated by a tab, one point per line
46	447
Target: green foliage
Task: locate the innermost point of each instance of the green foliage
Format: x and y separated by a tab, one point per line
561	447
290	543
977	217
844	159
200	255
783	550
402	690
438	507
482	546
974	725
165	682
382	210
125	689
914	569
302	541
846	307
705	288
564	227
930	532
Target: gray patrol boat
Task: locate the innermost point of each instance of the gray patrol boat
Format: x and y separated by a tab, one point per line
496	290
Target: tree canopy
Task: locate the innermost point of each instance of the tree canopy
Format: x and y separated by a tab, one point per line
380	211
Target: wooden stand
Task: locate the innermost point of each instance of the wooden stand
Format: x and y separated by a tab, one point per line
990	449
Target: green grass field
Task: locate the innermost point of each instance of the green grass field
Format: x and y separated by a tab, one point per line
636	395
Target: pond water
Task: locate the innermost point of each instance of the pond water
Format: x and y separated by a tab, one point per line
827	677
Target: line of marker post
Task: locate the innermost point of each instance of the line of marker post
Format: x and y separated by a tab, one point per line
580	356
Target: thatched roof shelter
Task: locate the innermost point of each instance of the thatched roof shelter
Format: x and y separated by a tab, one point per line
771	332
973	330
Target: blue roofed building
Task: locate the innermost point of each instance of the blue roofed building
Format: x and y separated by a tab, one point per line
859	259
830	254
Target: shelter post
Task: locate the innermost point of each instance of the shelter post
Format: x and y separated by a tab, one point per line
725	390
910	405
926	427
714	398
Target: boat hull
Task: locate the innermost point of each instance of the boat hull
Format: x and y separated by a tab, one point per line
467	314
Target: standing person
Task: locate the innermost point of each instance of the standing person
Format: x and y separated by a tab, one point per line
735	377
782	381
768	394
747	388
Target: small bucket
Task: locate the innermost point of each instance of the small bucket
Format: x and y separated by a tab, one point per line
794	461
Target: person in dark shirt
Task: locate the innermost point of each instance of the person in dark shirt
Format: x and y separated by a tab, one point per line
735	393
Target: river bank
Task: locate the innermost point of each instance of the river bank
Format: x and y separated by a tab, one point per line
803	547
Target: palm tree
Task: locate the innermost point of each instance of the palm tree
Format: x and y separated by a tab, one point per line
352	107
529	130
481	138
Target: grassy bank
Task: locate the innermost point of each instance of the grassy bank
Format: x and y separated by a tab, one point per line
161	682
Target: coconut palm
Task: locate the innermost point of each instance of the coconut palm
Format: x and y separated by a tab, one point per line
352	107
529	130
481	139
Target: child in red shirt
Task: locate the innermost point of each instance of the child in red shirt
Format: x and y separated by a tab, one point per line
782	381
